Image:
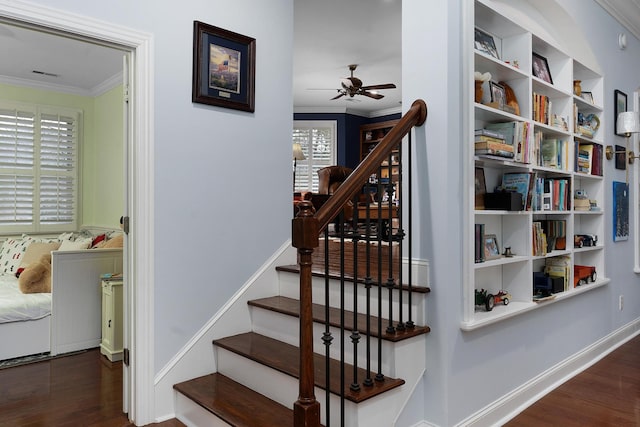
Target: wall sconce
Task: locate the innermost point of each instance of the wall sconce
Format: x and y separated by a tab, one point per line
628	122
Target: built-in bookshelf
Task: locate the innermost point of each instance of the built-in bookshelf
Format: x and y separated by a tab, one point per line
551	121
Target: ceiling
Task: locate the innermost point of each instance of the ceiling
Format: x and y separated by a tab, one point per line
329	35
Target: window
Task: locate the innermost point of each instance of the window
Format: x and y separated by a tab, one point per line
318	142
38	168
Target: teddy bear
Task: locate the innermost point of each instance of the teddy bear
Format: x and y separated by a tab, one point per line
36	277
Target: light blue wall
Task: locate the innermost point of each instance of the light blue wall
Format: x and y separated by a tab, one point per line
215	224
466	371
211	232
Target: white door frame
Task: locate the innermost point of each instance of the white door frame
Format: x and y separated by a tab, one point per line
140	172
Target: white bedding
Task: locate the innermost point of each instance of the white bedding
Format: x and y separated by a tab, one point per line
16	306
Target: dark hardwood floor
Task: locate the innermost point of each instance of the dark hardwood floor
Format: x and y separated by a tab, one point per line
86	390
606	394
79	390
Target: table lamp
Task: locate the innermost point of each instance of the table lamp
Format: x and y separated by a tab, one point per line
297	155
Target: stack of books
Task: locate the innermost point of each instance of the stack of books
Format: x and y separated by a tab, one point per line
490	142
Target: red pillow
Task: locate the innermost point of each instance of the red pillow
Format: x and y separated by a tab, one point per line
98	239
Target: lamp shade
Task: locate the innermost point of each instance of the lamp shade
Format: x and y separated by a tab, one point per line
297	152
628	122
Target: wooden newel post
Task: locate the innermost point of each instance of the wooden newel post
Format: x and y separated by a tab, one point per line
306	410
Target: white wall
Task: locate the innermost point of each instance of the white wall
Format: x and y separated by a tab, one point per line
467	371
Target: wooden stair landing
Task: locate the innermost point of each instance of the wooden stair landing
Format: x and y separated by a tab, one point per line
285	358
291	307
234	403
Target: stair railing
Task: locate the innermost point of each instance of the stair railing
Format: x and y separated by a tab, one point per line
307	227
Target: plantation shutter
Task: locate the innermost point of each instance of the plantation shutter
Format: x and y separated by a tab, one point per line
17	135
58	136
318	142
38	169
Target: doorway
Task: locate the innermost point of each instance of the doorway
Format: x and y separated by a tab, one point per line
138	183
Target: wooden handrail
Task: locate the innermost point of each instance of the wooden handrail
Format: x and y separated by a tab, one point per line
306	228
416	116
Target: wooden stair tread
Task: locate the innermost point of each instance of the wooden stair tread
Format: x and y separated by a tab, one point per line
234	403
318	271
285	358
291	307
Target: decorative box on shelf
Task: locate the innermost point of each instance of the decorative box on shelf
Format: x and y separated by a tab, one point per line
503	200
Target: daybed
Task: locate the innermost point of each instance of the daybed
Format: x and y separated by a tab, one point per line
65	320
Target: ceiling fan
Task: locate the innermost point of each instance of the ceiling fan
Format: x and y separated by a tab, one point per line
352	86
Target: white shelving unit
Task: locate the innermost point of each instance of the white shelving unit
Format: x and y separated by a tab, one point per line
516	45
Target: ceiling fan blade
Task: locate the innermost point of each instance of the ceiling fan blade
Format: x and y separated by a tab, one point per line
382	86
371	95
336	97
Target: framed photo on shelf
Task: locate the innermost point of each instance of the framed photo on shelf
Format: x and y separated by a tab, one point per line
223	68
485	43
481	188
541	68
620	106
498	94
587	96
491	248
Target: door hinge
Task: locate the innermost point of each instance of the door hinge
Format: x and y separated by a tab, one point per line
125	224
125	356
126	94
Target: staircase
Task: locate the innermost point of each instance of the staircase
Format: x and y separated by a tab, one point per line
337	345
258	371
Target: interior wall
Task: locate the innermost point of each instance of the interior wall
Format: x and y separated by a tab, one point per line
104	171
467	372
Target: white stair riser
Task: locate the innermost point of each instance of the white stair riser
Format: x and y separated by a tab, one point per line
284	389
289	287
193	415
286	329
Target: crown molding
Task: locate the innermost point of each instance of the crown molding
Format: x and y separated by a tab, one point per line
625	12
98	90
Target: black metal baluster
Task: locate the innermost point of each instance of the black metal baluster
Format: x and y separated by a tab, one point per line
355	334
390	281
399	237
409	323
327	337
379	375
368	382
342	343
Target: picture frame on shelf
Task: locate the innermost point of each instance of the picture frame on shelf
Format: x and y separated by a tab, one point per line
223	68
587	96
498	94
491	247
620	106
541	68
481	188
485	43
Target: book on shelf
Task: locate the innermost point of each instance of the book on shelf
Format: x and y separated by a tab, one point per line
588	158
516	134
494	146
521	182
484	138
539	239
490	133
479	243
556	231
559	266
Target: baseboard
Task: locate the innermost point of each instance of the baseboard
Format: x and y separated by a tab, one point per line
510	405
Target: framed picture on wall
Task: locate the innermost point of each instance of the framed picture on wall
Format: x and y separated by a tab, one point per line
620	211
620	106
223	68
